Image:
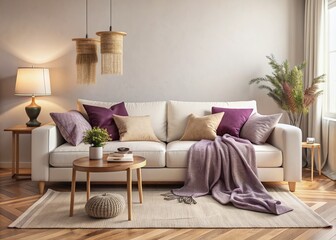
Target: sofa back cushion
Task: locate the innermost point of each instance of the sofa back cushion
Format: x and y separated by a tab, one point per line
179	111
156	110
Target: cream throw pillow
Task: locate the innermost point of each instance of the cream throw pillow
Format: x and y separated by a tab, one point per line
202	127
135	128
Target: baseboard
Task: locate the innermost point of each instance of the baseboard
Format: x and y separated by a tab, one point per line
9	165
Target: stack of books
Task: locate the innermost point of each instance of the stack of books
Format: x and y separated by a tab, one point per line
120	157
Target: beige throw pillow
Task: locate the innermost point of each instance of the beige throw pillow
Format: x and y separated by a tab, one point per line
202	127
135	128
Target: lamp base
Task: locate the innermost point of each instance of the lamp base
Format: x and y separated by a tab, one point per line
33	123
33	110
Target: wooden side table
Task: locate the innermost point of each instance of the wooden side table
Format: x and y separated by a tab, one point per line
16	131
312	147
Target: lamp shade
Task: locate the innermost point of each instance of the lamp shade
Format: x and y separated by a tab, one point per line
111	49
32	82
86	60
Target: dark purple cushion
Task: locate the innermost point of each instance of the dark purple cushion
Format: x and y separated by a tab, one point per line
103	117
72	126
233	120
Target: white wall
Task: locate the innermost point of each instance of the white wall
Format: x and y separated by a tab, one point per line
195	50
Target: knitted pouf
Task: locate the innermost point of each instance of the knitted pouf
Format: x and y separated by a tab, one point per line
106	205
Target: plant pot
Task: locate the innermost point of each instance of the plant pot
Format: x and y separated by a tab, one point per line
295	118
96	153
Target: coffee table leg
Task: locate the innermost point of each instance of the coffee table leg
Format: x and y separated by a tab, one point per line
88	186
140	184
129	193
73	189
312	163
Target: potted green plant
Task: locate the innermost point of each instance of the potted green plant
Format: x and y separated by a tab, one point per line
97	138
285	87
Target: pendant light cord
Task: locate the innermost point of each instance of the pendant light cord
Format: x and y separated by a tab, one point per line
86	19
110	15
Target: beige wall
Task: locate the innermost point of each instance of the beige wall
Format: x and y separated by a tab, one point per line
195	50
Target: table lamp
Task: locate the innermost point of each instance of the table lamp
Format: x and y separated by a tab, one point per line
32	82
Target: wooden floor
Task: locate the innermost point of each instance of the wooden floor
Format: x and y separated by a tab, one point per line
17	195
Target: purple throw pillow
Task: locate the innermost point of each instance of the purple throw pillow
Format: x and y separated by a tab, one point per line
72	126
232	121
103	117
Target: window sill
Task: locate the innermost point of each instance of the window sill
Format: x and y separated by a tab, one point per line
329	119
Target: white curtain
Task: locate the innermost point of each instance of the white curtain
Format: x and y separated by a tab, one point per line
315	55
329	148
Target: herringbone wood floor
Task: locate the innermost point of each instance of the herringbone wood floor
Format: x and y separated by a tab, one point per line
17	196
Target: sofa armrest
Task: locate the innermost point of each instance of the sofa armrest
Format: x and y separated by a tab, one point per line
288	139
44	140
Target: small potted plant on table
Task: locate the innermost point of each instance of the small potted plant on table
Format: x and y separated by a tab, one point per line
97	138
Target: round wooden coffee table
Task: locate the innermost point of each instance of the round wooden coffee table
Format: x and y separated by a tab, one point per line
86	165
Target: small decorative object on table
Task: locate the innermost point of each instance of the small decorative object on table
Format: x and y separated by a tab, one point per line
122	155
96	137
106	205
310	140
123	149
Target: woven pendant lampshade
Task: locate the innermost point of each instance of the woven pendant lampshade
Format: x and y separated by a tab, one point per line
111	49
86	60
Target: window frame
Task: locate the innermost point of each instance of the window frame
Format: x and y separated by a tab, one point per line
327	112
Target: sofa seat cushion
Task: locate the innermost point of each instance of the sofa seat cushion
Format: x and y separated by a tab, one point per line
266	154
177	152
154	152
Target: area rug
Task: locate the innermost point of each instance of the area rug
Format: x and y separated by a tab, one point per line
52	211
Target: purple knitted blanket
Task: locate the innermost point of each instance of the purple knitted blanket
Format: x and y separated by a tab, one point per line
226	168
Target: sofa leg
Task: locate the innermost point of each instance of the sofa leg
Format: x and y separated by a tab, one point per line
41	187
292	186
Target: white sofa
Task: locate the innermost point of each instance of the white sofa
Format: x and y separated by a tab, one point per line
277	160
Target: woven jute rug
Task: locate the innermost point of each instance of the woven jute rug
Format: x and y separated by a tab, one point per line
52	211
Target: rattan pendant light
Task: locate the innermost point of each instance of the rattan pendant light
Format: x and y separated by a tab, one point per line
87	58
111	49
